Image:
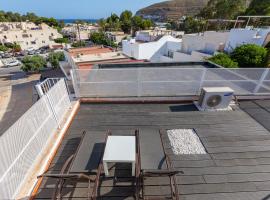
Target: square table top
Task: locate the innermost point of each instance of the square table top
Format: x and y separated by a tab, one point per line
120	149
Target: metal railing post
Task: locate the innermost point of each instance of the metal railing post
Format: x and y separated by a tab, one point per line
52	109
139	83
202	78
39	90
74	83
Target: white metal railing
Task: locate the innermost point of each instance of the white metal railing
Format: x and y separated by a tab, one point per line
22	143
145	82
43	87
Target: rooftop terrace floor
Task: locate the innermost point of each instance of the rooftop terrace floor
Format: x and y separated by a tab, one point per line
237	165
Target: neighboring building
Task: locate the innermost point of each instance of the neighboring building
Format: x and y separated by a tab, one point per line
79	32
192	47
152	35
116	36
208	42
86	58
27	34
151	50
237	37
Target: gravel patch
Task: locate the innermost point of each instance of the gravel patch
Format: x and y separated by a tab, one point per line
185	141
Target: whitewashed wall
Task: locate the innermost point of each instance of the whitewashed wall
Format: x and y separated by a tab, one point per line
209	41
150	50
239	37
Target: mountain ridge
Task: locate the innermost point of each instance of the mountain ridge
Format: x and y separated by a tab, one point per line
172	10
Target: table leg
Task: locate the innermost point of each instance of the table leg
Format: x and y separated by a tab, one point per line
105	166
133	168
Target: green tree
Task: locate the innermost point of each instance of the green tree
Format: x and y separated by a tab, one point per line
113	23
146	24
33	63
55	57
102	24
125	19
259	7
250	55
137	22
3	48
223	9
101	38
192	25
32	17
223	60
15	47
98	38
62	40
126	15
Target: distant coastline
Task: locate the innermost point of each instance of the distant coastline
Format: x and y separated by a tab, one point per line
72	21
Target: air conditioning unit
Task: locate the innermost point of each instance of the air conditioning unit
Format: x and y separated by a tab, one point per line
215	98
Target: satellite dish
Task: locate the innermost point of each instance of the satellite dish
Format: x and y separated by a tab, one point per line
214	101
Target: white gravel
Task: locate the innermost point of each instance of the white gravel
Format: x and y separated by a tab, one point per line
185	141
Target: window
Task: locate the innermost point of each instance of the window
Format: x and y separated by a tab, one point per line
33	42
30	35
25	35
43	41
52	34
170	54
16	36
5	36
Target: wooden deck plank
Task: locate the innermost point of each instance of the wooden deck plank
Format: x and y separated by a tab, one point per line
237	166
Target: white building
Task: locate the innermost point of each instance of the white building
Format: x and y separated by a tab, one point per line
152	35
208	42
238	37
151	50
116	36
27	34
195	47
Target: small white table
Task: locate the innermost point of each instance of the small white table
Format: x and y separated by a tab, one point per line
120	149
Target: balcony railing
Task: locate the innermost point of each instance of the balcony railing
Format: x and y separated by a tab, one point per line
168	82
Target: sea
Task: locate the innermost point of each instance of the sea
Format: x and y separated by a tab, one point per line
72	21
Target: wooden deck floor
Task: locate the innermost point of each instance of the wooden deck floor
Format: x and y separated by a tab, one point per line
237	165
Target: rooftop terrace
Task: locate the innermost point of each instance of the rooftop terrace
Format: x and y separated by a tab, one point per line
237	165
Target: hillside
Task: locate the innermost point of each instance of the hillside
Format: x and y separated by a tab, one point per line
172	10
259	7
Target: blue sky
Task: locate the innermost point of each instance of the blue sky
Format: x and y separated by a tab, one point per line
93	9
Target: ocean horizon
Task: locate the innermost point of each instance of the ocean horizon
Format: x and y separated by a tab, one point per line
71	21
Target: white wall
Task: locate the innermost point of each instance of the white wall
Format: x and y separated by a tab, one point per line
208	42
183	57
239	37
151	50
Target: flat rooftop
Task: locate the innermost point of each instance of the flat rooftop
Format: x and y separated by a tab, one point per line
99	57
237	165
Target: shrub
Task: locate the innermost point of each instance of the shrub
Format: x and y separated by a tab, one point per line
79	44
101	38
33	63
3	48
55	57
223	60
250	55
61	40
